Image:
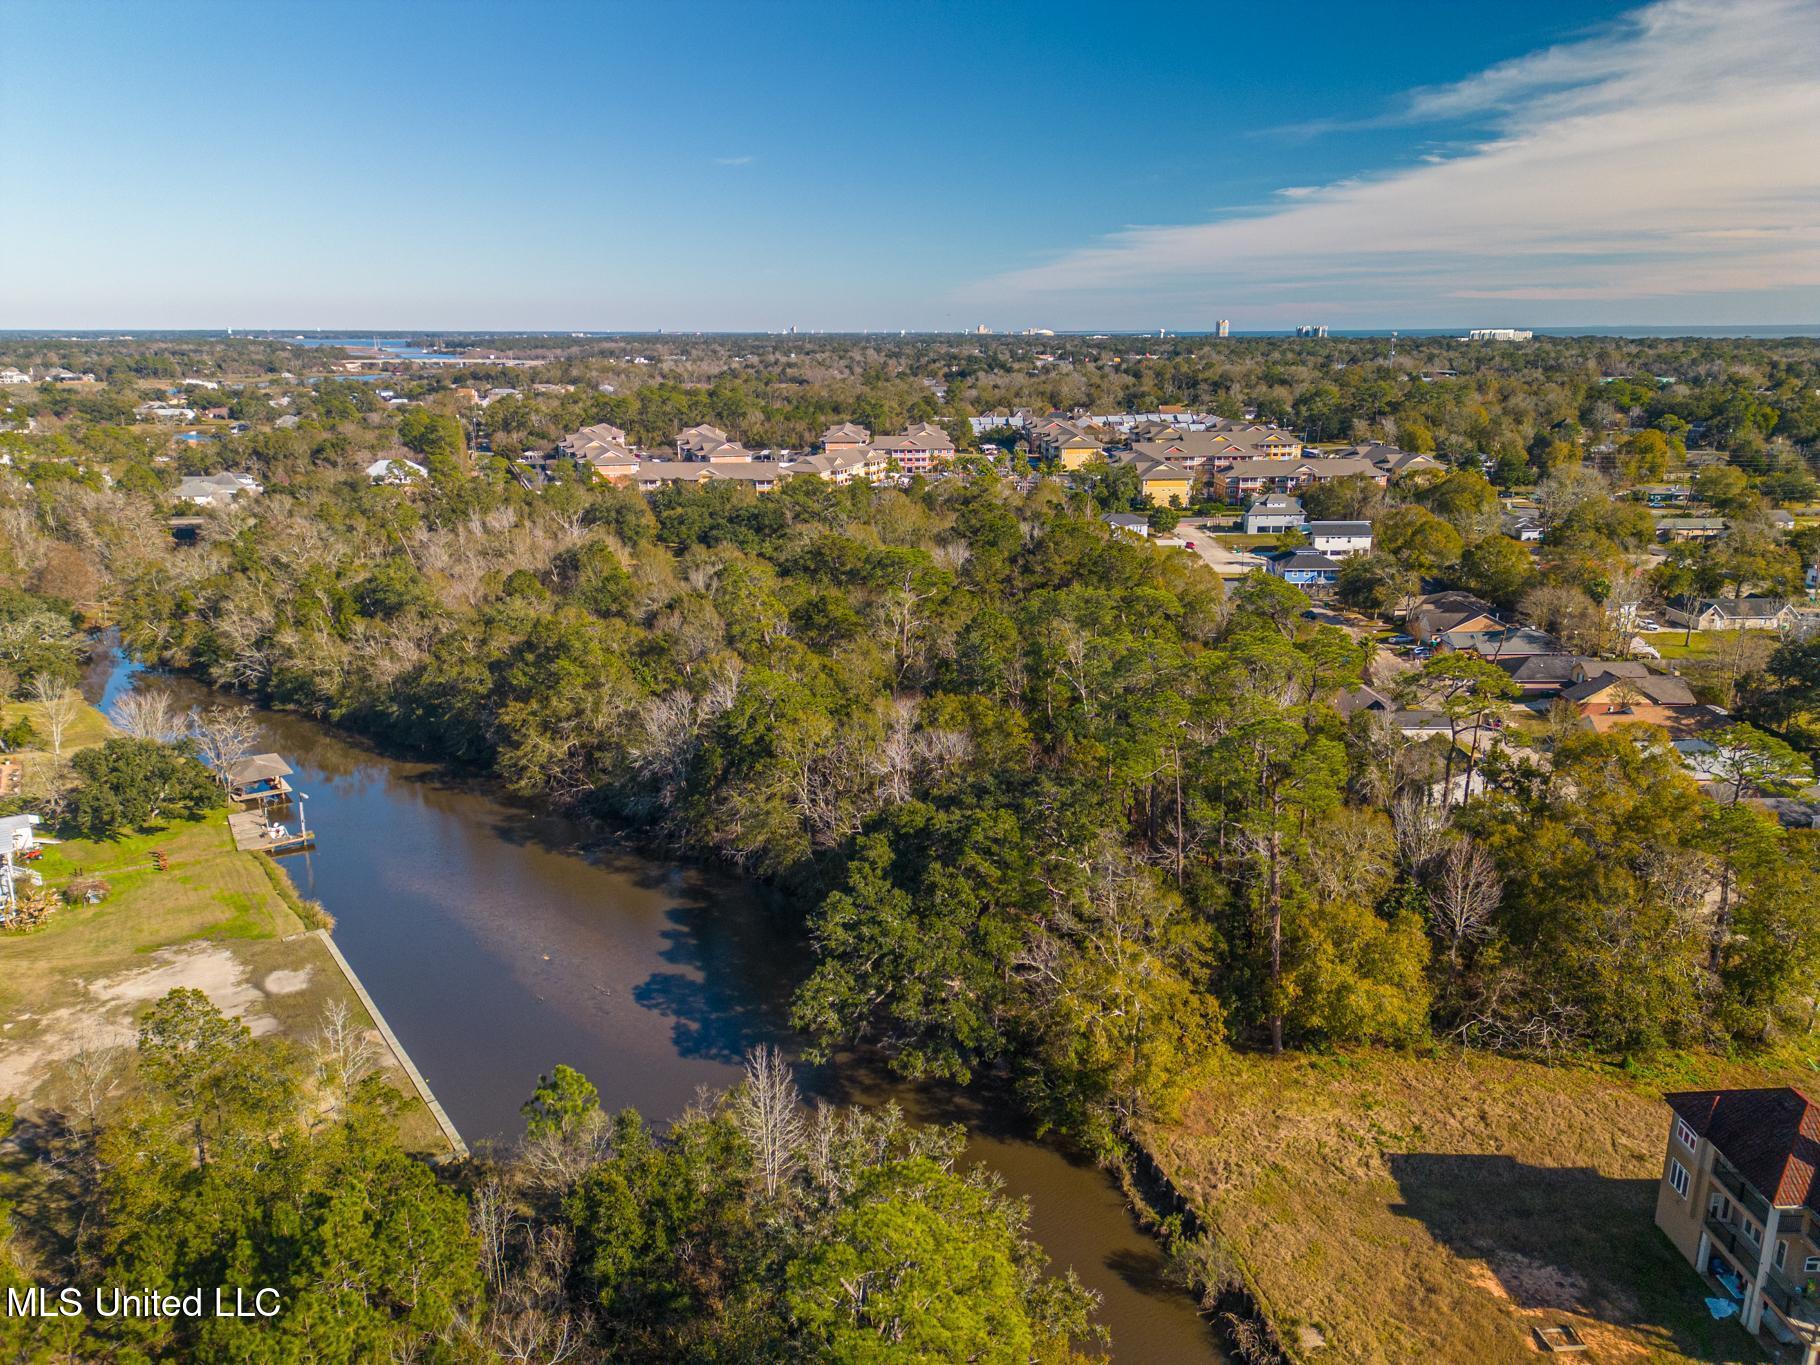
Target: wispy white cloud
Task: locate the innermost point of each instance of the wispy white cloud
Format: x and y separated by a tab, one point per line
1676	152
734	160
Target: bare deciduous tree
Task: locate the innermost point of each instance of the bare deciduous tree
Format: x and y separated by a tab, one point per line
528	1317
149	713
1462	894
225	734
768	1111
1421	829
94	1074
345	1052
58	706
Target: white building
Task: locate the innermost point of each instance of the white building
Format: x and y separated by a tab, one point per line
217	490
1498	334
395	471
1338	539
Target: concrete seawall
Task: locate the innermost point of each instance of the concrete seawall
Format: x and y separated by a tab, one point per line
399	1055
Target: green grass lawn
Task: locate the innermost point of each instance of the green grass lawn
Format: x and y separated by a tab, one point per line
210	891
223	921
1673	643
1440	1207
88	729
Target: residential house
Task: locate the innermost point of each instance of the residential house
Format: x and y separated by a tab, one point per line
1444	611
1131	523
1740	1199
1363	698
1339	539
396	471
164	412
1305	568
1683	529
1527	530
217	490
11	376
844	439
1731	613
1547	675
1273	514
1608	700
1422	724
1501	642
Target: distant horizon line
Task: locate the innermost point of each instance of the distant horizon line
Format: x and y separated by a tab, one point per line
285	333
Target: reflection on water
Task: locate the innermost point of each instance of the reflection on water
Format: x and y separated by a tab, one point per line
500	942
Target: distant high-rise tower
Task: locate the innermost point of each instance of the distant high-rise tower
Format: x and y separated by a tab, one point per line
1312	330
1223	328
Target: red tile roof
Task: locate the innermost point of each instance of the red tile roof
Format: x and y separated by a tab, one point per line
1771	1135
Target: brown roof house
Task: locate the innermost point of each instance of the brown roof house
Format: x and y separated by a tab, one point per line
1740	1200
1608	700
1444	611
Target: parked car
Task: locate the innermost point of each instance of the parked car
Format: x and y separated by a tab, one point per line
1648	626
1401	640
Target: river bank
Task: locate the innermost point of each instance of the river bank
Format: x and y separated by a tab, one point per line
500	940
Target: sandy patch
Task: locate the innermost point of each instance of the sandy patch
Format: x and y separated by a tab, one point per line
287	981
110	1017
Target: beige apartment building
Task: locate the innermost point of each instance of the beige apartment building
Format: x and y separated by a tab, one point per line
1740	1198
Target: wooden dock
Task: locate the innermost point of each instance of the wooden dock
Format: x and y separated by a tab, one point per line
251	834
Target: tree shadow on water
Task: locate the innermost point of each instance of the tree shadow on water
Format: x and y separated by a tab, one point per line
733	990
1146	1271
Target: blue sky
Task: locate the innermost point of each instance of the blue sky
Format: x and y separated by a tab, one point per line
872	165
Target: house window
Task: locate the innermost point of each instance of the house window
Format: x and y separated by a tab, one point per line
1720	1206
1811	1266
1685	1135
1749	1229
1677	1176
1781	1253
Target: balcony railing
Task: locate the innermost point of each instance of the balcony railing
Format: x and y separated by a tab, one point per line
1746	1252
1792	1301
1743	1193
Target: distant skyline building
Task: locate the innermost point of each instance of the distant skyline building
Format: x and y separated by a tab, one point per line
1498	334
1223	328
1312	330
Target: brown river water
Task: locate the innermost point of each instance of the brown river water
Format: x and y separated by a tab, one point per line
499	942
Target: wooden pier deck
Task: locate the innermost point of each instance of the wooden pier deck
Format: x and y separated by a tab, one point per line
250	836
